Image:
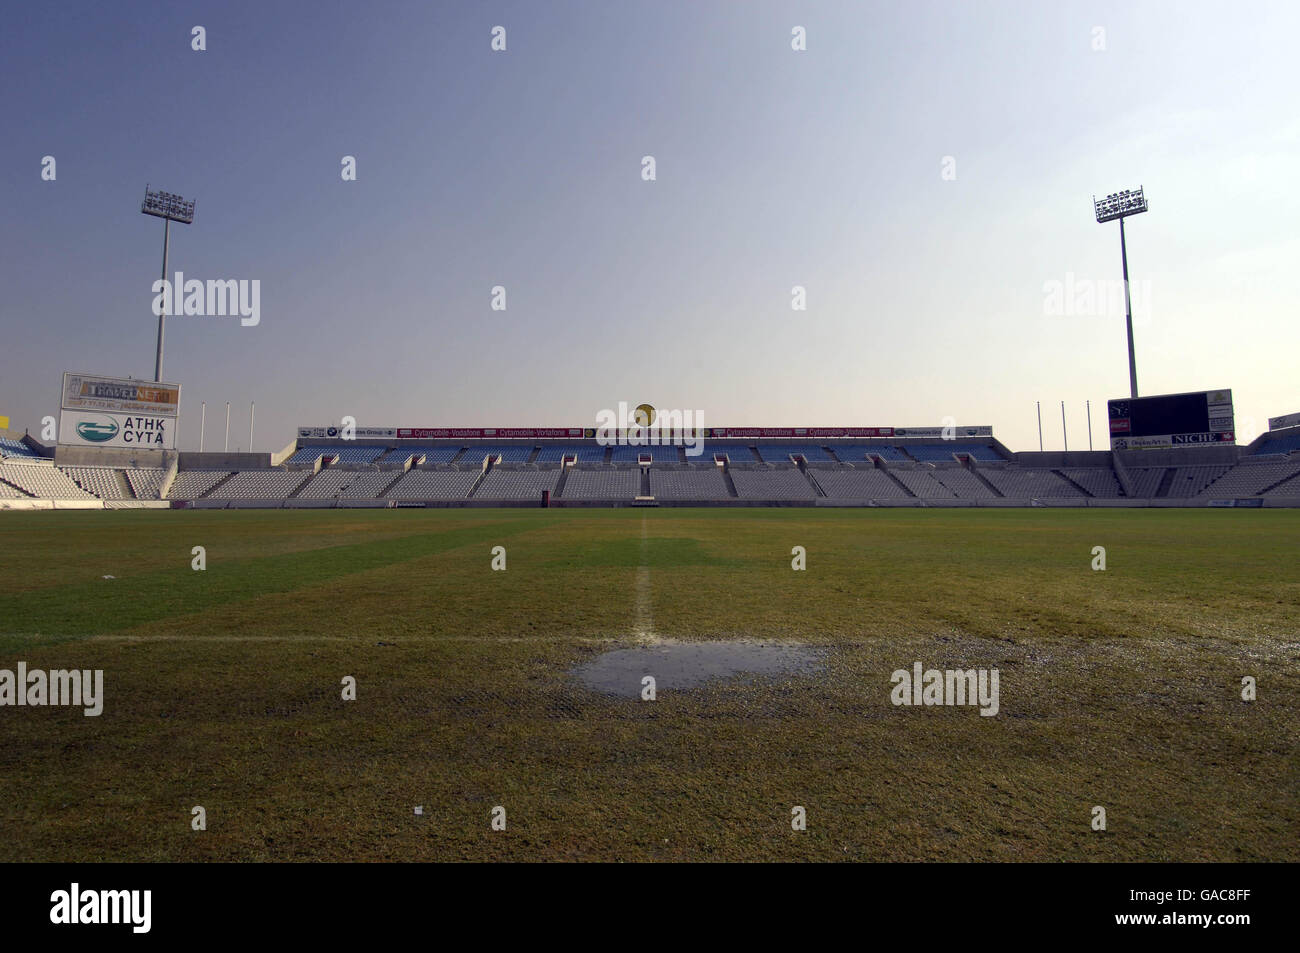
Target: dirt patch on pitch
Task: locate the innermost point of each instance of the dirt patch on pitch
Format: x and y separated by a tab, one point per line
684	665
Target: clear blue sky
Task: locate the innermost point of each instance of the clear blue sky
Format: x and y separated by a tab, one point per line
775	168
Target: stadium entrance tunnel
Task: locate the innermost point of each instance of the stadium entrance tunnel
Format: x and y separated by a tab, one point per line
685	665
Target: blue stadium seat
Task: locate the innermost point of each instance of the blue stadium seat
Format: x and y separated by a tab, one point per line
780	453
513	453
585	453
942	453
660	454
1286	444
856	453
16	448
430	454
308	455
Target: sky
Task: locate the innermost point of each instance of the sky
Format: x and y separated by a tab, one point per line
924	171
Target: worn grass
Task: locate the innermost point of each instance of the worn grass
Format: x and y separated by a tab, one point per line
1118	688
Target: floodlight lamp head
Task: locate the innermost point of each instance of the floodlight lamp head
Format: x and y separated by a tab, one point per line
1120	205
167	205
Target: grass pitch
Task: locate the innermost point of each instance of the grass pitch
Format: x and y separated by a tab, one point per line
1119	689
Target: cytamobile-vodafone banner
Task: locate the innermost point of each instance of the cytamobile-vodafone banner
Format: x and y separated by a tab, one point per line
479	433
118	412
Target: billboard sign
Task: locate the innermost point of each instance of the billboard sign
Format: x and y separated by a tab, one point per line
1289	420
1171	420
118	412
120	395
86	428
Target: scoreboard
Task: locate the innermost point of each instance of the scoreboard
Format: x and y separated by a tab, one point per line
1171	420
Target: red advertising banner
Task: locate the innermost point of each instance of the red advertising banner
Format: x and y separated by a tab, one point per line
802	431
486	433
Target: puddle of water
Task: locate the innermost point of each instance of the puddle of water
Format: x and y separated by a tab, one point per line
688	664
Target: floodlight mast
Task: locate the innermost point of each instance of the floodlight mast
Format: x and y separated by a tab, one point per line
1119	205
170	208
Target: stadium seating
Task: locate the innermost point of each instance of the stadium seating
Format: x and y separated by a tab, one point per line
778	453
192	484
734	453
430	454
772	485
1288	444
856	453
326	484
513	453
516	484
585	454
146	482
1098	481
305	456
1192	481
1145	481
923	484
16	448
258	485
602	485
1252	479
104	482
434	485
1028	484
8	492
942	453
693	484
366	486
42	480
865	484
964	484
660	454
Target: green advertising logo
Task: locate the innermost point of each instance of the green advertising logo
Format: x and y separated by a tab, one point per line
96	432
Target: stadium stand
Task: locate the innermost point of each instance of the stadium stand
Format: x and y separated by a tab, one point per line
8	492
193	484
516	484
509	454
1192	481
104	482
42	480
923	484
964	484
660	454
772	485
942	453
1017	484
146	482
585	454
327	484
1288	444
258	485
430	454
434	485
1100	482
602	485
367	486
1253	479
306	456
1145	481
856	453
775	453
16	448
859	485
693	484
735	454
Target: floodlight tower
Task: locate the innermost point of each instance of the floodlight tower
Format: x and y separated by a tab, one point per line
170	208
1119	205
